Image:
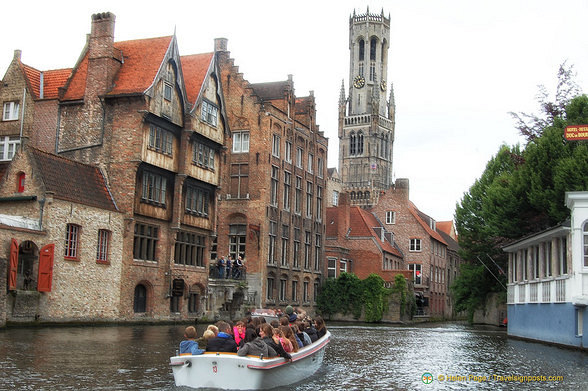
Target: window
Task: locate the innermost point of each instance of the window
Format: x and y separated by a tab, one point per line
547	259
307	255
287	186
390	217
335	198
283	287
203	155
214	248
239	180
288	152
237	240
240	142
20	182
8	147
317	252
145	242
415	245
319	167
319	202
352	144
296	247
416	270
193	302
274	187
299	157
298	196
309	199
310	163
270	288
316	290
284	261
72	237
305	285
10	111
189	249
167	91
197	201
331	267
160	140
342	266
140	299
154	188
535	261
102	248
294	290
276	145
361	50
562	255
585	244
272	243
209	113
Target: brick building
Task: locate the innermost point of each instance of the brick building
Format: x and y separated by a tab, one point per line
272	198
154	122
62	231
29	106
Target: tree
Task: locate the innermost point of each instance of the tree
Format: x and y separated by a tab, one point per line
531	126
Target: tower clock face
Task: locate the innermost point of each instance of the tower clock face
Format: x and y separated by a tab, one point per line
383	85
359	81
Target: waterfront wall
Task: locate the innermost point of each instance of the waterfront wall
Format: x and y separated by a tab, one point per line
549	322
3	265
493	312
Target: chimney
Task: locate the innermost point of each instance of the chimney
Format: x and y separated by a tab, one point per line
220	44
17	54
102	62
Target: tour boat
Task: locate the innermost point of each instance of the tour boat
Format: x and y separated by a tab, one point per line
228	371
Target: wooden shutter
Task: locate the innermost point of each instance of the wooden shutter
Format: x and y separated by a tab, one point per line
45	268
13	267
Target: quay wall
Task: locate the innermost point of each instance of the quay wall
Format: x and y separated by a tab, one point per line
3	265
555	323
493	312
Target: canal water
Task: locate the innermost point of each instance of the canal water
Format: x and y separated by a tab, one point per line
360	357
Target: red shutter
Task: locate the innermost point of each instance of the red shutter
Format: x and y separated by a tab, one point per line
13	267
45	268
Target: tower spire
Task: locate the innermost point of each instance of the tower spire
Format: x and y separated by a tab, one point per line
342	98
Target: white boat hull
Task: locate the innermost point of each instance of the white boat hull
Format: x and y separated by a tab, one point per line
231	372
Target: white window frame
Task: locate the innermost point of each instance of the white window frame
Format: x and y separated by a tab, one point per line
335	198
241	142
288	152
415	245
103	246
299	157
8	147
209	113
390	217
10	111
310	163
276	145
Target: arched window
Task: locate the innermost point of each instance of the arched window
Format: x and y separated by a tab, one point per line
352	144
360	143
373	49
140	300
352	195
361	50
367	195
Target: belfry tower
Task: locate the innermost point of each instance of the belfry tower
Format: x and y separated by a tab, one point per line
366	117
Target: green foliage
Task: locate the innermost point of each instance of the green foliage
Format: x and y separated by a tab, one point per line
401	288
347	294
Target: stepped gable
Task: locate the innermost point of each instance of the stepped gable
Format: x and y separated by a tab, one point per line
73	181
141	60
195	68
361	223
52	80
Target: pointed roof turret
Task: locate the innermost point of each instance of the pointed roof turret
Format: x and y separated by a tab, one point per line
342	98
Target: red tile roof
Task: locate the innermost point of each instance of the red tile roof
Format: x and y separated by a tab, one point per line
434	234
73	181
142	59
361	223
52	80
194	68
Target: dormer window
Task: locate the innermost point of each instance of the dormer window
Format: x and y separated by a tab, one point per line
209	113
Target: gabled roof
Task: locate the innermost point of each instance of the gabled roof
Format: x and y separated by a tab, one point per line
72	181
451	243
52	80
195	67
271	90
417	215
141	60
362	223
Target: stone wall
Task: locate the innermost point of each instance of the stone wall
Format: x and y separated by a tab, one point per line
493	313
3	273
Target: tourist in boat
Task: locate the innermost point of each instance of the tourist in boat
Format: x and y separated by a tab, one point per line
213	328
189	345
291	314
321	329
289	335
239	331
279	338
255	346
203	341
266	332
300	335
311	331
224	341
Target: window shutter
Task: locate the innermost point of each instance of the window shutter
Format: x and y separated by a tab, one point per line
46	268
13	267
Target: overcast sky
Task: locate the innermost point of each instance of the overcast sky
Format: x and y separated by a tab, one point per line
458	67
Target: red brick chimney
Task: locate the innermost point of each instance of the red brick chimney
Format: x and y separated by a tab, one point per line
103	59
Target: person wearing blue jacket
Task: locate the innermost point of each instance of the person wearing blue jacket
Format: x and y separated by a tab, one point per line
224	341
189	345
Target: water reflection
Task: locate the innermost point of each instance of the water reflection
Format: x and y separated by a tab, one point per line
360	357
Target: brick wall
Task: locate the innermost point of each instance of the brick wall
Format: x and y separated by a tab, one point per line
4	269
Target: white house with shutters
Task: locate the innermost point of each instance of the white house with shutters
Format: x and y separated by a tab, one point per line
548	280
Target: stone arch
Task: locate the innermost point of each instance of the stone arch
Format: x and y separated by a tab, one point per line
143	297
28	266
